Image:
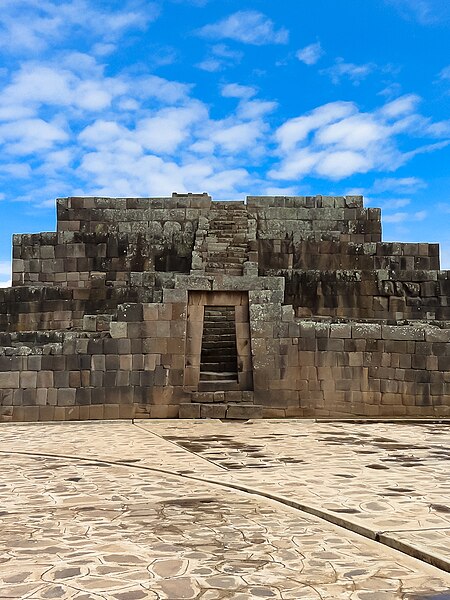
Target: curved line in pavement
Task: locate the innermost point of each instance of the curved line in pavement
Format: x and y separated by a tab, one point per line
376	536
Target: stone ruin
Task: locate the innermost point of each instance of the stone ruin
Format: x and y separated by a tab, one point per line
186	307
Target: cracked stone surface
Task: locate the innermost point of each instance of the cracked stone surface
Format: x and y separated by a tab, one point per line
74	527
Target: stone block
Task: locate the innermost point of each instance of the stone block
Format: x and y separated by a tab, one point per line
96	412
435	334
9	380
66	397
366	330
130	313
244	411
89	323
213	411
189	411
395	332
167	411
28	379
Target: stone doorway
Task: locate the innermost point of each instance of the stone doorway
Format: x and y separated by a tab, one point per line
218	358
218	350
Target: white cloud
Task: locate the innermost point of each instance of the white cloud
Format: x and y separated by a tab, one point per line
297	129
391	91
31	135
354	132
445	255
36	84
393	203
152	86
248	27
165	131
337	140
445	73
342	164
224	51
210	64
345	70
237	137
399	185
425	12
28	26
401	106
221	56
402	217
101	49
311	54
18	170
235	90
120	174
255	109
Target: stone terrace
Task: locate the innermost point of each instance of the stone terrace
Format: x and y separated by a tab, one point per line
105	318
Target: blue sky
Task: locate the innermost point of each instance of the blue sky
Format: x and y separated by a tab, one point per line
232	97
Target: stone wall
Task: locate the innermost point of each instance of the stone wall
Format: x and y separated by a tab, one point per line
137	367
360	369
105	317
315	218
380	294
31	308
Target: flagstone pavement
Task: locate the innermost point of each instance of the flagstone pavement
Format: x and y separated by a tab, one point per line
212	510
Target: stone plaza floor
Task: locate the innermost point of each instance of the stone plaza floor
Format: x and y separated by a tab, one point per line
212	510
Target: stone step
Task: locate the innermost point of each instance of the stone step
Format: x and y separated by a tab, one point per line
220	332
218	364
220	324
218	385
214	331
218	359
217	343
220	410
217	334
236	272
218	317
217	271
224	265
215	376
216	356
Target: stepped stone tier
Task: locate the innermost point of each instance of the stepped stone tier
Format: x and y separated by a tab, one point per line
186	307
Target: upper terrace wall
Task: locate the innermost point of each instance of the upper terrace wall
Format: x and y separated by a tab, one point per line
327	248
116	236
380	294
332	255
51	308
315	218
119	236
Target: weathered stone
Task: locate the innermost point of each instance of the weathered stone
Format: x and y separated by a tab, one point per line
136	306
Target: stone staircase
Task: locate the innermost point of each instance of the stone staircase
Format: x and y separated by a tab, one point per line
221	405
218	361
224	246
218	395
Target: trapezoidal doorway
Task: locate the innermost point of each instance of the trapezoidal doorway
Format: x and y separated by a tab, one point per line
218	352
218	359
